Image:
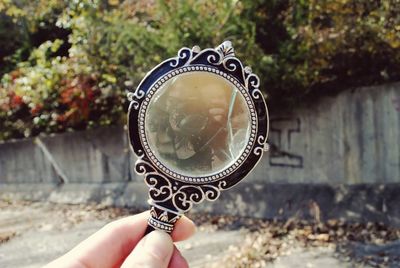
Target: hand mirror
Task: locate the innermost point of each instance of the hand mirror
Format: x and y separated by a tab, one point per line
198	124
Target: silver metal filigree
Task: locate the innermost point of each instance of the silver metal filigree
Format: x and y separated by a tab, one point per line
172	194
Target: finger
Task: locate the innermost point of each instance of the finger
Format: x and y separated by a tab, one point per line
112	244
184	228
177	260
154	250
109	246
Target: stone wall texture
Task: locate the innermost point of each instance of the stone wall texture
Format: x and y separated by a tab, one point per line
350	138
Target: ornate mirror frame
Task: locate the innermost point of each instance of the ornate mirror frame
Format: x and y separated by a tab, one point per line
172	194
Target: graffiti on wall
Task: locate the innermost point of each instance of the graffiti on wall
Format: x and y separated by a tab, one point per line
282	136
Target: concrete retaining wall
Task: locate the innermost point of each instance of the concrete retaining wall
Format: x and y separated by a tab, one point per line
95	156
349	143
350	138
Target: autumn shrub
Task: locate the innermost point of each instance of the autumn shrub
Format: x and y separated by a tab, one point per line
53	94
71	62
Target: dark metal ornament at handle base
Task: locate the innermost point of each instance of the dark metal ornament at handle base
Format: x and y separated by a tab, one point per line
161	219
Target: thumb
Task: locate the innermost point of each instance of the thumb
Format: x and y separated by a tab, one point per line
154	250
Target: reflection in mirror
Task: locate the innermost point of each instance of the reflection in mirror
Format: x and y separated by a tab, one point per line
197	124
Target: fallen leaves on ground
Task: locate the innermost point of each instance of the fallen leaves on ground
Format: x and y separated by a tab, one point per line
375	244
6	236
267	240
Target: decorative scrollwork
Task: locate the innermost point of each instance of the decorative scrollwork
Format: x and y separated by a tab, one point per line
223	185
259	147
211	193
211	55
252	81
135	104
160	186
256	93
214	58
142	167
139	94
232	64
188	195
184	56
183	196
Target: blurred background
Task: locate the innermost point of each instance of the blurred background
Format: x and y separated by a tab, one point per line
328	191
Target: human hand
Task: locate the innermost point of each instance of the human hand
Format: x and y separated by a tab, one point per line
121	244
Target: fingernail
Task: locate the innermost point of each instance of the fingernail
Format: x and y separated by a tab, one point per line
159	244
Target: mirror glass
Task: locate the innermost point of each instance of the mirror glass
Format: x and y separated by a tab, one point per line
197	123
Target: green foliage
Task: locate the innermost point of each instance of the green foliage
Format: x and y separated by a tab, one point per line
297	47
323	45
21	23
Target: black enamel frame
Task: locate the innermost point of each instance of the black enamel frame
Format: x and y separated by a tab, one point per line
170	197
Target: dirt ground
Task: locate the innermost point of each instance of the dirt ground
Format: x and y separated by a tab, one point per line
32	234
